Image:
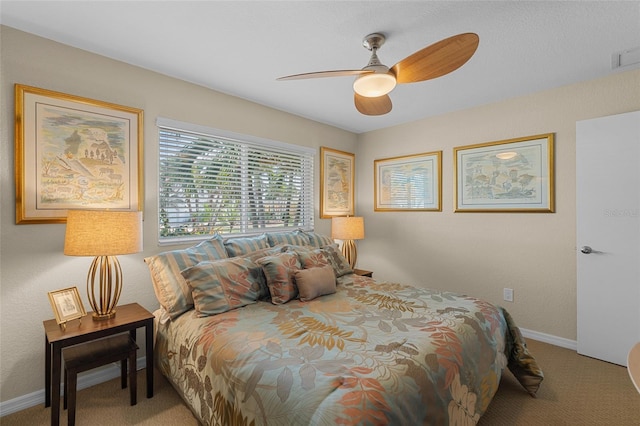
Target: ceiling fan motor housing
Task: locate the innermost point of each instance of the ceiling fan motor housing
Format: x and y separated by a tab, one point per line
373	41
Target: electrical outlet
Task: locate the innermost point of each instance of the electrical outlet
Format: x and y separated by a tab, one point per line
508	294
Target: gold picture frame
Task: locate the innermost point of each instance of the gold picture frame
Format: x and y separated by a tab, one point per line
66	304
337	177
408	183
74	153
511	176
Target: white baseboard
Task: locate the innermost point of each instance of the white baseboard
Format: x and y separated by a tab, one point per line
85	380
548	338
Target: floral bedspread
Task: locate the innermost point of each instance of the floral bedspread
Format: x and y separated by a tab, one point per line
373	353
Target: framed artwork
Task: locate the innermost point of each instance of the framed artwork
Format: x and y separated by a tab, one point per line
514	175
66	304
337	176
409	183
74	153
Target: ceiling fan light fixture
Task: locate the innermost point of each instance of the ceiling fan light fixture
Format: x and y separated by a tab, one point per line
374	84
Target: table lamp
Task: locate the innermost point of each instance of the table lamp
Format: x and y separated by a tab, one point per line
348	229
103	234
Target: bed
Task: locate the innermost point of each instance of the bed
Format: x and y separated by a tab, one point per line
281	332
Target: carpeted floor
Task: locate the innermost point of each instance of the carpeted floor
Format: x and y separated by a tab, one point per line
107	404
576	391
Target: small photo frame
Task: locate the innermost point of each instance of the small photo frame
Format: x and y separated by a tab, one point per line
337	176
408	183
66	304
513	176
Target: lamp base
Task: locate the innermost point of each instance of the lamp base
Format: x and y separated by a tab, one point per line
102	317
103	298
350	253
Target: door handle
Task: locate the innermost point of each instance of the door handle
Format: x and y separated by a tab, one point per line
589	250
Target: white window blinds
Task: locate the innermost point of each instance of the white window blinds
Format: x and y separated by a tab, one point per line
211	180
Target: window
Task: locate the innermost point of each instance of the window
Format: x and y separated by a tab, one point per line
211	180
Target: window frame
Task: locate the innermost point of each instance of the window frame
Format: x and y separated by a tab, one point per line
247	142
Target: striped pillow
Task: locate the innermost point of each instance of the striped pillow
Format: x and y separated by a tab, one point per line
295	238
223	285
318	240
172	291
244	245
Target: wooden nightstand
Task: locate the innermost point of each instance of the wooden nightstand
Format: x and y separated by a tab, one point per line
128	318
363	273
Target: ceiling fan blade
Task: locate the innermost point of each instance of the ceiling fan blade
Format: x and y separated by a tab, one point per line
321	74
372	106
437	60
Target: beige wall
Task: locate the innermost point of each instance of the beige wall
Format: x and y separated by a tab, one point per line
474	253
481	253
31	259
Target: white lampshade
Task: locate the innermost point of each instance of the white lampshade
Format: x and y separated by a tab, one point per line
347	228
374	84
102	233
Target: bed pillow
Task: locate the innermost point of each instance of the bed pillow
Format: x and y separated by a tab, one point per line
223	285
171	290
269	251
311	257
315	282
296	238
338	261
258	254
279	271
328	255
318	240
245	245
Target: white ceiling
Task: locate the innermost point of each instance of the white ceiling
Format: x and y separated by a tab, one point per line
241	47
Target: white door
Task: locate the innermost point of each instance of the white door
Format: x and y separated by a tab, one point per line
608	235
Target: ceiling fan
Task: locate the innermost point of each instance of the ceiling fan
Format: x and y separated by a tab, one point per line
375	81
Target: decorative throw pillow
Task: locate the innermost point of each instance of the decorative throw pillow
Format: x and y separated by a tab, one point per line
244	245
171	290
315	282
296	238
223	285
258	254
328	255
318	240
313	258
279	271
338	261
